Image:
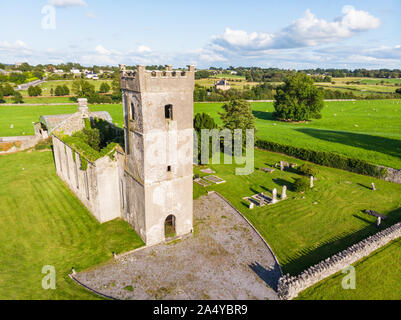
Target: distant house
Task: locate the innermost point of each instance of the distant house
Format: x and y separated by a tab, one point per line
19	64
222	85
234	72
59	71
75	71
92	76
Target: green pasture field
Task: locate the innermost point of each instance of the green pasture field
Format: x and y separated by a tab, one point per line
368	130
46	86
238	83
18	120
43	223
378	81
41	99
307	228
359	89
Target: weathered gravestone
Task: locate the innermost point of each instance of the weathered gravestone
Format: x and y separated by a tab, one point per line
284	193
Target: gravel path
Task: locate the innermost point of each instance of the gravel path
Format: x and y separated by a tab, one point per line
223	259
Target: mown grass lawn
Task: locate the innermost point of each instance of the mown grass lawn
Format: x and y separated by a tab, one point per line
378	277
368	130
305	229
43	223
18	120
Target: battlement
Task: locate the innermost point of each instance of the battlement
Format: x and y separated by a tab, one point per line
156	80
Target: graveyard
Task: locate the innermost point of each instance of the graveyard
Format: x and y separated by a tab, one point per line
311	226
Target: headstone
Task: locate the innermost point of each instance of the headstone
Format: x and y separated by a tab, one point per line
281	165
311	181
251	205
284	193
373	187
379	221
274	200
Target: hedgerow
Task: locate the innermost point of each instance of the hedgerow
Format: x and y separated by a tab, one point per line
328	159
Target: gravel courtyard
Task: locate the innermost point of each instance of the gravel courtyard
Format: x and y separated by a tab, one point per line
224	259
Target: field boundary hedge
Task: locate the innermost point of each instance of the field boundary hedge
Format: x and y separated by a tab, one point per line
328	159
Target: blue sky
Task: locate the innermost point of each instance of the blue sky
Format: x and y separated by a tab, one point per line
289	34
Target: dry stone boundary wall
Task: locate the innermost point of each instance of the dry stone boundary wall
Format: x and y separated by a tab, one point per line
290	286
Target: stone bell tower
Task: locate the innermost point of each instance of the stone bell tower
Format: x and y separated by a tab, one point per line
158	169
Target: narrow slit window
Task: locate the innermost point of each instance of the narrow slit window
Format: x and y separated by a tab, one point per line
168	110
168	168
132	111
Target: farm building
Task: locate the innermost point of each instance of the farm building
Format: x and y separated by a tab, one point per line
222	85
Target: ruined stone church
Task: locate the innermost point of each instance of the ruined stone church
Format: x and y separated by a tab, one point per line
148	183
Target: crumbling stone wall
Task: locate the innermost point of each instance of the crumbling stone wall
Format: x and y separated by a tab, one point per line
97	187
393	175
15	144
289	286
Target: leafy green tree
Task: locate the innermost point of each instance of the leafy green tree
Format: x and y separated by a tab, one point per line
92	137
1	94
104	88
37	74
66	90
82	88
34	91
204	121
59	91
301	184
238	115
51	91
298	99
17	97
8	90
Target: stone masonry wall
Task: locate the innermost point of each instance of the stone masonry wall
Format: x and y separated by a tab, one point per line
15	144
393	175
289	286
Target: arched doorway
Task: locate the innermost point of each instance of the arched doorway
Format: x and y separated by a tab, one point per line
169	227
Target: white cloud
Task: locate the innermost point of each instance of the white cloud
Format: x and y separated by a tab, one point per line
67	3
16	45
305	32
143	49
101	50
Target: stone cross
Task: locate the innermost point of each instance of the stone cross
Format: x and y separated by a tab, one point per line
274	200
379	221
281	166
373	187
284	193
311	181
251	205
